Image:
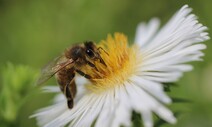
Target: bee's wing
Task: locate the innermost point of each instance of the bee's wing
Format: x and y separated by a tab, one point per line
52	68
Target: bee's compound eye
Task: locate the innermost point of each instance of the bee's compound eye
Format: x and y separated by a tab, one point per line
90	53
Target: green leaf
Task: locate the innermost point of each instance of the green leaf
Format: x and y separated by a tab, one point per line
16	85
136	119
167	86
180	100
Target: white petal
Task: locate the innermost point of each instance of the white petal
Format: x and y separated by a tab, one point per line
93	112
182	31
140	103
107	113
51	89
174	45
145	32
81	81
147	118
46	115
151	87
123	110
69	115
165	114
143	102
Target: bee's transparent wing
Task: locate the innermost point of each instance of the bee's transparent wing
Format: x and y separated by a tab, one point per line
50	69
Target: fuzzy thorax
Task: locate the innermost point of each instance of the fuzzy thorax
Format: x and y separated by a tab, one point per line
120	61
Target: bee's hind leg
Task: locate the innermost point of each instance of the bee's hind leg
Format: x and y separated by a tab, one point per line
70	92
69	96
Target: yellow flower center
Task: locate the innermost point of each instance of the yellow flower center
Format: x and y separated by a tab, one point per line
121	61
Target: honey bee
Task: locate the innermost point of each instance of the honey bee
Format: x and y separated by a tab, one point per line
65	67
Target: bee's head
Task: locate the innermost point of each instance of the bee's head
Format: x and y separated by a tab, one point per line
92	52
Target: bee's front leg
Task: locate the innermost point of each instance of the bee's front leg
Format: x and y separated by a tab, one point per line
91	65
83	74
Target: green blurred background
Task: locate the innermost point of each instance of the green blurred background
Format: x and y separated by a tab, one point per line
32	32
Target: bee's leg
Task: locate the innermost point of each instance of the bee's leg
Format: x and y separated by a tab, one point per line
91	65
83	74
70	92
69	96
67	85
73	88
103	50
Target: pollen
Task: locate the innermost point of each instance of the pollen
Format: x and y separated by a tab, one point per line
120	59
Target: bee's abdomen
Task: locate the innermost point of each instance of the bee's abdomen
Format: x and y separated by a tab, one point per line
64	77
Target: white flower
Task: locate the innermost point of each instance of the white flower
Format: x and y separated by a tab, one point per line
133	77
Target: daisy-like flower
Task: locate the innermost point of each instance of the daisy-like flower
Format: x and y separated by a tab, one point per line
132	80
